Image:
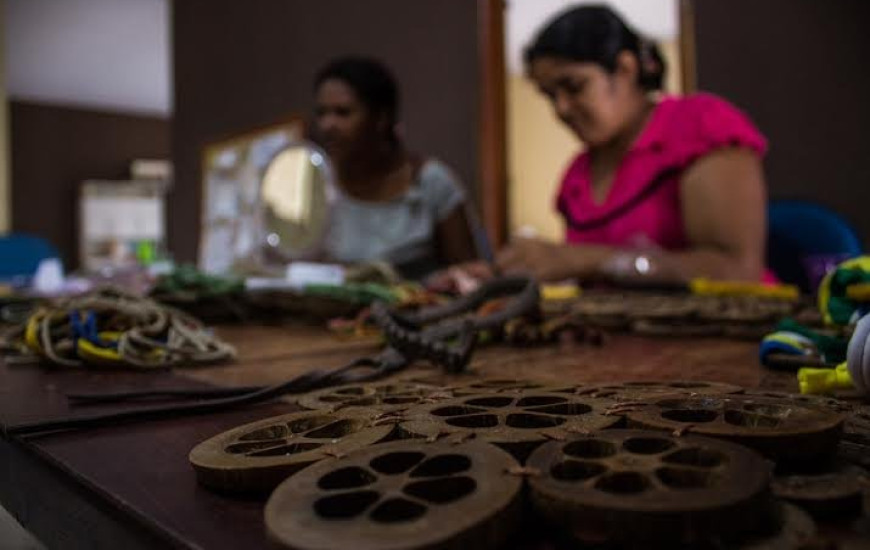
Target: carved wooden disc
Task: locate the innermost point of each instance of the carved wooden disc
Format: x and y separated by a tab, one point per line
517	421
837	493
821	401
496	385
646	390
858	426
387	396
399	496
256	457
676	328
788	432
633	486
662	308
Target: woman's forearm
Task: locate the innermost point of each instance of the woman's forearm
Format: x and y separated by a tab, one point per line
662	266
553	262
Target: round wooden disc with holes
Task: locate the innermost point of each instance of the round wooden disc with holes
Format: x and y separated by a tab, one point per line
516	421
675	328
386	396
834	494
256	457
743	331
663	308
563	388
608	312
645	390
858	426
744	310
821	401
790	432
855	445
645	486
400	495
496	385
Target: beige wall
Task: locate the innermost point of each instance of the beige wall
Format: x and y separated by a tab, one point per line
540	148
5	209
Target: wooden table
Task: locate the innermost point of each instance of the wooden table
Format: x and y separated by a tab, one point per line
131	486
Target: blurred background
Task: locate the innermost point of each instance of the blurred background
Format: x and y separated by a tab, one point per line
88	87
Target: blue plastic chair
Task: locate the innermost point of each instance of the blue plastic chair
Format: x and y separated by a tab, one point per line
800	233
20	255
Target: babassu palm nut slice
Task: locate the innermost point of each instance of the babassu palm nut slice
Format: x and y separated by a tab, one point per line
645	389
568	388
857	428
496	385
400	495
663	308
821	401
642	486
675	328
837	493
256	457
516	421
385	396
503	385
787	432
855	445
604	311
744	310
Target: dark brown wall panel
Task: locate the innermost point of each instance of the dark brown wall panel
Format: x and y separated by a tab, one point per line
244	64
799	68
53	149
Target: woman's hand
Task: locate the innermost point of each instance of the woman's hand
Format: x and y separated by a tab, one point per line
462	278
548	261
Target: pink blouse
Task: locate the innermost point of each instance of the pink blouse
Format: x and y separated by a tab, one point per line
642	208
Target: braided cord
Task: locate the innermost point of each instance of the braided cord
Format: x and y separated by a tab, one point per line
144	334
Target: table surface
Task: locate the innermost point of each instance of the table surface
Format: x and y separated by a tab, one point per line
141	471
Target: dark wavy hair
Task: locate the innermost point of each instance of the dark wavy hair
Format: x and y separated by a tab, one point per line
596	34
371	81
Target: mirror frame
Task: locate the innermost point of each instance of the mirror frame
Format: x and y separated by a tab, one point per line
293	124
330	189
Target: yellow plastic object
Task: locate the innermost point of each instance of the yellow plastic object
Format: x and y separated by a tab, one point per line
560	292
92	353
824	295
859	292
708	287
824	381
31	332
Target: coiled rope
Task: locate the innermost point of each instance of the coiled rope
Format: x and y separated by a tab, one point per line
112	328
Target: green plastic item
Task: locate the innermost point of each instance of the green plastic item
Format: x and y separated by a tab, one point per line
355	293
188	279
839	306
145	252
831	348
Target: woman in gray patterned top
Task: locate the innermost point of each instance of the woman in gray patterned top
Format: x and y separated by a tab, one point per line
392	205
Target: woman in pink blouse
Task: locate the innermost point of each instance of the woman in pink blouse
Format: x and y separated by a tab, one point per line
667	190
